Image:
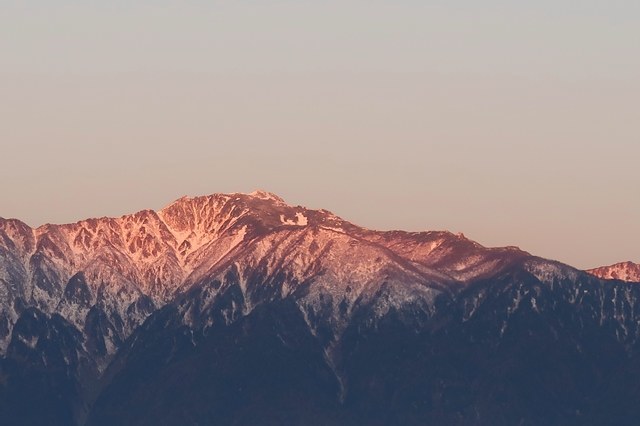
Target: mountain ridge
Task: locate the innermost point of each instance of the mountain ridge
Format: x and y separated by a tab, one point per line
87	307
623	271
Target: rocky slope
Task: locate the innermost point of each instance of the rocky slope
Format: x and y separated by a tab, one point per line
239	309
624	271
127	267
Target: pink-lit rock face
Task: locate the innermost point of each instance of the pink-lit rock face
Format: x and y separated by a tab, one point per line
135	264
624	271
111	296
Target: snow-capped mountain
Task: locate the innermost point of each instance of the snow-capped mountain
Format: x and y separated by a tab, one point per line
128	267
241	309
624	271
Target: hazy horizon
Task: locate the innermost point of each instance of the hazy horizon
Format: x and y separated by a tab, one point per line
516	124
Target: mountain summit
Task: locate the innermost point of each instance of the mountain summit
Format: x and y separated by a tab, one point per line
241	309
624	271
132	265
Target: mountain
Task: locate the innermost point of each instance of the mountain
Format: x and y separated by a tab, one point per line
241	309
624	271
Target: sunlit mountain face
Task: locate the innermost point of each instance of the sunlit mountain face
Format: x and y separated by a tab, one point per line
241	309
624	271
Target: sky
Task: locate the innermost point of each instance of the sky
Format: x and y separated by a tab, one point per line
514	122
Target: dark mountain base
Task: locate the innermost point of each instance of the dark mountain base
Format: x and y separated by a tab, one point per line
549	362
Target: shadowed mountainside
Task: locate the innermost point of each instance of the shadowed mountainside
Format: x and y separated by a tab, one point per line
241	309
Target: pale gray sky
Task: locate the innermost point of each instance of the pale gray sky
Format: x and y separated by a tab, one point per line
513	122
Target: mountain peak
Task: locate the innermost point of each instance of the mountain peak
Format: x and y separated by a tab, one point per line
624	271
265	195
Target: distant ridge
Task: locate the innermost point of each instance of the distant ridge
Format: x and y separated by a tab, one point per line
624	271
242	309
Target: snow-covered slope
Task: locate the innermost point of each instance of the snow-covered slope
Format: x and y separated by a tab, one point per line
120	297
123	269
624	271
129	266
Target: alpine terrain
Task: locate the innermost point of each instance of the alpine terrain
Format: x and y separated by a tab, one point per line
625	271
240	309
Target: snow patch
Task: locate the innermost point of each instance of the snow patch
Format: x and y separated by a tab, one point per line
31	341
265	195
300	220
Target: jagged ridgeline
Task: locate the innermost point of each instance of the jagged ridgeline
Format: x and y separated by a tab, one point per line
241	309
